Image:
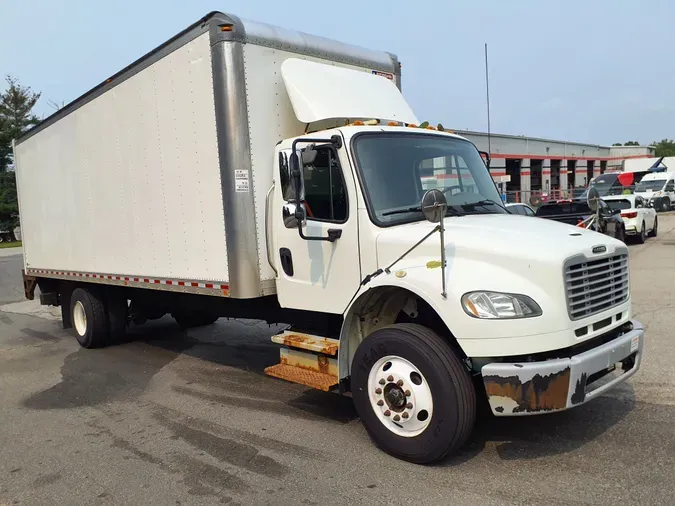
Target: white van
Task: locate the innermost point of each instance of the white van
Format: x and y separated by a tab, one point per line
658	189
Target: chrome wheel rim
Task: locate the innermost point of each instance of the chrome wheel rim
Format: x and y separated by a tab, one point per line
400	396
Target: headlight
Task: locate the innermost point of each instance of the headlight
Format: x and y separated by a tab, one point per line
494	305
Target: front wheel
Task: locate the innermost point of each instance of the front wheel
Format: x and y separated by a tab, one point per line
412	393
665	204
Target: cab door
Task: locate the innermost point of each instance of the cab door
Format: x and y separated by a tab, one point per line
314	273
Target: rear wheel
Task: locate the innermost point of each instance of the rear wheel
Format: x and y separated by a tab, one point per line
621	234
89	319
655	230
642	236
412	393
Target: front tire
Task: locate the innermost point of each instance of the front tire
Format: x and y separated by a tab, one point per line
412	393
89	319
665	204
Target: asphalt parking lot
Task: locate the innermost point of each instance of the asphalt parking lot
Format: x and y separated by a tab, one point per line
190	418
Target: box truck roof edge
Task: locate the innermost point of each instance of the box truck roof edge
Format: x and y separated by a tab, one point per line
222	26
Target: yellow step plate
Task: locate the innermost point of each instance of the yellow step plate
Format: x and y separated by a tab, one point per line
313	379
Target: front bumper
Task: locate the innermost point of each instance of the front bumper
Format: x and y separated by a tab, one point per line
528	388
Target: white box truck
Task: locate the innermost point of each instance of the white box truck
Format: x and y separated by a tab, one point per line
244	170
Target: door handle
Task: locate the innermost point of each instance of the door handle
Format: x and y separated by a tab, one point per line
286	261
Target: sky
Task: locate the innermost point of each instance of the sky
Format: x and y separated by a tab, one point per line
596	71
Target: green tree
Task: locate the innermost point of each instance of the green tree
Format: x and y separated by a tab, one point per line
16	105
664	147
631	143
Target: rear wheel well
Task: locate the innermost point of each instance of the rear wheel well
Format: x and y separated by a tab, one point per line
383	306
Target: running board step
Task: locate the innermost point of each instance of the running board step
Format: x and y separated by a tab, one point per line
313	379
308	342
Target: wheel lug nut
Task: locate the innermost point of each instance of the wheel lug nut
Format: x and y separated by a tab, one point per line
378	391
407	393
380	402
397	418
382	382
390	378
409	405
405	415
399	383
387	413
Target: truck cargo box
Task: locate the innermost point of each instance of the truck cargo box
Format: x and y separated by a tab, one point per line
157	177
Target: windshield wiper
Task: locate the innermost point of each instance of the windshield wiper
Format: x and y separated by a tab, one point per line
418	209
484	203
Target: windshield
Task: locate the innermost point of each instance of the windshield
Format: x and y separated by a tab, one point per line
619	204
654	185
398	168
609	184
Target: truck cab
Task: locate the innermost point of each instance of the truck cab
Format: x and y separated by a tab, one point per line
533	313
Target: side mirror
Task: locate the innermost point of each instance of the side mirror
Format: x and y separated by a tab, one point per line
615	211
290	214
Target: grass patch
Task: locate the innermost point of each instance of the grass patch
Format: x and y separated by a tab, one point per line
14	244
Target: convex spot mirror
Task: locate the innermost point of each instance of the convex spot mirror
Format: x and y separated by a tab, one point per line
434	206
593	199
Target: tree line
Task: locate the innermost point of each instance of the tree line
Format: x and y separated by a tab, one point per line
664	147
16	116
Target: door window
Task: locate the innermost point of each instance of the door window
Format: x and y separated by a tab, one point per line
325	193
670	186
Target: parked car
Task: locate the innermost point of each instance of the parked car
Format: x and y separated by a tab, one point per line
520	208
639	218
577	212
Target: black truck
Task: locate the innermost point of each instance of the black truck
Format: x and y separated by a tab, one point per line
577	212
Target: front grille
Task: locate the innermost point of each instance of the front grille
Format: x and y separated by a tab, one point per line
592	286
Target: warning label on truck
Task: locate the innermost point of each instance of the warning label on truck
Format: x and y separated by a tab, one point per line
384	74
240	174
241	185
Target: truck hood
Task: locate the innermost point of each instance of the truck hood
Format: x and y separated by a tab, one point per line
494	238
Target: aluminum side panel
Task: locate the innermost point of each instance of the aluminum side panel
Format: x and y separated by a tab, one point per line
130	181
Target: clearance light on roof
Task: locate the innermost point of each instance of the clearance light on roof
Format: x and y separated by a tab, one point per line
226	28
427	126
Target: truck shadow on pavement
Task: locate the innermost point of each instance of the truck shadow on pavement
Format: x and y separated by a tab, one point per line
545	435
245	349
229	373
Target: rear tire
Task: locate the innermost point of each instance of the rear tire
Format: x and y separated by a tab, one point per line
413	354
642	236
89	319
655	230
621	234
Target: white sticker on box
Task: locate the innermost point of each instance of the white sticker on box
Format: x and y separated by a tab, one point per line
240	174
634	343
241	186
